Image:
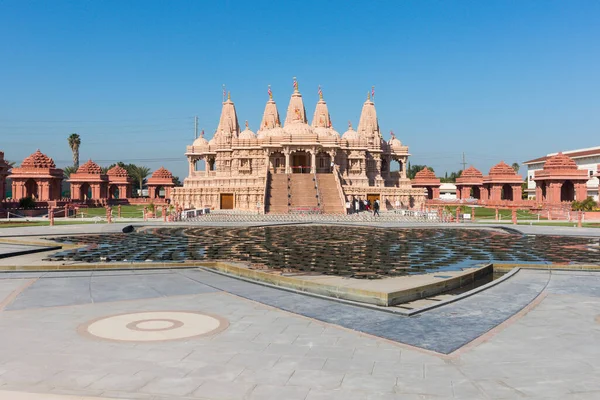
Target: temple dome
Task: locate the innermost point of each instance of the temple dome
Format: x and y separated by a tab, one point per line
502	168
471	172
297	128
200	141
90	167
394	141
247	133
38	160
560	161
118	171
425	173
323	132
351	134
162	173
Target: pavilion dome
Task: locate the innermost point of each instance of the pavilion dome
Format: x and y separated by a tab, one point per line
471	172
38	160
162	172
118	171
276	131
89	167
351	134
200	141
560	161
502	168
395	142
425	173
247	134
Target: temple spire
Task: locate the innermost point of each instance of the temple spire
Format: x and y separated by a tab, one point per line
270	117
321	118
296	112
368	124
228	123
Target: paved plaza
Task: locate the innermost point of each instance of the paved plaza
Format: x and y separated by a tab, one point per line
191	333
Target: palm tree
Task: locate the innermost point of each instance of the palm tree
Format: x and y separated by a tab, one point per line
74	142
139	173
516	167
67	171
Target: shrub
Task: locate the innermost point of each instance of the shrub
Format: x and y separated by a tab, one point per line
27	203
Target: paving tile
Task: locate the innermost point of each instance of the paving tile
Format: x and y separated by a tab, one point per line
224	390
316	379
276	392
368	383
172	386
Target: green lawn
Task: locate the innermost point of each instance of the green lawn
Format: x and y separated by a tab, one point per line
490	213
126	212
18	224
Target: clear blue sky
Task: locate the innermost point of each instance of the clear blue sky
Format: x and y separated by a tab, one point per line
499	80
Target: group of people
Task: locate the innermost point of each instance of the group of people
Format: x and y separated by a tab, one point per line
357	205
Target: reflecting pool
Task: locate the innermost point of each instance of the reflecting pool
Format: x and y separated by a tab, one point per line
360	252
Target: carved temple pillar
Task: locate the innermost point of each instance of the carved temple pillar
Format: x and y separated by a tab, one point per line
286	152
313	161
403	171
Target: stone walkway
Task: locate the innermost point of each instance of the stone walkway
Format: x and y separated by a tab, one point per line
268	350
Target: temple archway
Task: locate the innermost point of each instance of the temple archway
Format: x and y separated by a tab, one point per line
323	162
113	192
31	189
543	186
300	162
429	192
85	193
507	192
475	192
160	192
567	191
277	162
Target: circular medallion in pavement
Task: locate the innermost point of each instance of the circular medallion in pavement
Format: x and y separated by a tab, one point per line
154	326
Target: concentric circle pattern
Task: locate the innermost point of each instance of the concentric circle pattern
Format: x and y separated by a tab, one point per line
154	326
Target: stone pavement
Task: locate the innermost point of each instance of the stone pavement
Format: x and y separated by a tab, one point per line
269	350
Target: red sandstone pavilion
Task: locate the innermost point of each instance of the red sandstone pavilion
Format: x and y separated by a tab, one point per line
38	178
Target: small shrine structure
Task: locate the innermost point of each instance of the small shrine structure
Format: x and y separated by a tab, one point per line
502	184
119	183
469	184
89	183
560	180
37	177
426	179
160	184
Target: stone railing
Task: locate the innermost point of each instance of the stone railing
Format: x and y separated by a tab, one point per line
338	182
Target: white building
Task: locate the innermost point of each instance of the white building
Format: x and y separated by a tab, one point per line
586	159
448	191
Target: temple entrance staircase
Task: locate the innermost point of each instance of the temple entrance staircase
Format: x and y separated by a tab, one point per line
331	203
277	194
304	195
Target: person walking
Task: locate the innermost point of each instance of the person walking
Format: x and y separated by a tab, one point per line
348	208
376	208
357	205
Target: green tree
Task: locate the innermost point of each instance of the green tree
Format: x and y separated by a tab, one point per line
67	171
176	181
452	177
585	205
74	142
139	174
516	167
413	169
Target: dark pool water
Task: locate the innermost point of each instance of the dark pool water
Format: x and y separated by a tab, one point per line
335	250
